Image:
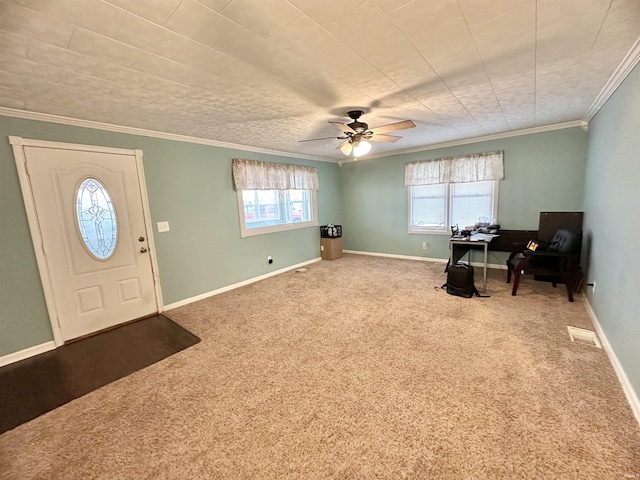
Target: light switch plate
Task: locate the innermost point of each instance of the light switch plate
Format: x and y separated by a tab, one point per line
163	227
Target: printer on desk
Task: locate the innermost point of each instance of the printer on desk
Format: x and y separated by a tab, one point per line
492	229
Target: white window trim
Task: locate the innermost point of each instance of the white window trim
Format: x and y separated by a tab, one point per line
446	230
251	232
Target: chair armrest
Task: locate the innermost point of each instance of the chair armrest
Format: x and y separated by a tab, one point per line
530	253
517	248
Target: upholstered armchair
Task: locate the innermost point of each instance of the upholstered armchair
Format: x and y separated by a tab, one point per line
559	262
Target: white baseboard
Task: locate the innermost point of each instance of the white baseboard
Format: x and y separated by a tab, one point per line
202	296
393	255
26	353
422	259
632	396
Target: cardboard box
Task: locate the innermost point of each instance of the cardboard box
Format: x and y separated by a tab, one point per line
330	248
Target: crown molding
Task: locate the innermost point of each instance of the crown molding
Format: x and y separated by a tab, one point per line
75	122
46	117
627	64
515	133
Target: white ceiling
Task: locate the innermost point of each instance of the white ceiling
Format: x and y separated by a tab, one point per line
268	73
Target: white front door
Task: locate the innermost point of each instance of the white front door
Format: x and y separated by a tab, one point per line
91	220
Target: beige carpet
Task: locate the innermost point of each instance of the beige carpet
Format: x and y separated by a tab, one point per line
354	369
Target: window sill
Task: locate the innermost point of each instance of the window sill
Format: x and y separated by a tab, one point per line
252	232
429	232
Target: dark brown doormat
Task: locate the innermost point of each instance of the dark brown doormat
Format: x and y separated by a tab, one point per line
41	383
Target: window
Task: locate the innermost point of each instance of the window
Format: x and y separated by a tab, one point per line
273	197
96	218
282	209
435	208
451	191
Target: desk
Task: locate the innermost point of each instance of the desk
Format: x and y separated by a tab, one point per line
456	253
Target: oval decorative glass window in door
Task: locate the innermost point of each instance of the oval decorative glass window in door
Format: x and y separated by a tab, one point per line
96	217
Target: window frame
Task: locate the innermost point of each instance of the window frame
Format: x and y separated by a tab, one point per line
446	230
282	227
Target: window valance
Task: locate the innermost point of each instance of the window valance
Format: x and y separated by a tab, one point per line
465	168
255	175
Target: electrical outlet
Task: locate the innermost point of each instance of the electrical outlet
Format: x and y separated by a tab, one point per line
269	260
425	246
163	227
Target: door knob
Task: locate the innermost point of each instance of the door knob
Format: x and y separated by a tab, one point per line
143	250
141	239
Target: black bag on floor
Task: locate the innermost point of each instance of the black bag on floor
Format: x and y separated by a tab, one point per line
460	281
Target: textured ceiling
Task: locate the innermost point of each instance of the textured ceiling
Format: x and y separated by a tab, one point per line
268	73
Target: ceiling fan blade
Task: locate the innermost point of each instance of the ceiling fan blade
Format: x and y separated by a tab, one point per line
384	138
343	127
346	147
323	138
393	127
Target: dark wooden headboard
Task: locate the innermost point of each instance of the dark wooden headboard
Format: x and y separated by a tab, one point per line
550	222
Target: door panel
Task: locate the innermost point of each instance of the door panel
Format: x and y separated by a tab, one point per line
92	293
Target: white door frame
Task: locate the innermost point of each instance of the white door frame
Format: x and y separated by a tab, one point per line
18	144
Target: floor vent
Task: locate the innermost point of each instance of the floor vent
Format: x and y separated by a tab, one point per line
586	337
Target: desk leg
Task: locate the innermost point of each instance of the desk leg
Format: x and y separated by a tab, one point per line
486	246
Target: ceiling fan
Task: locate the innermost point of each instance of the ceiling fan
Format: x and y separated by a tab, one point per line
356	135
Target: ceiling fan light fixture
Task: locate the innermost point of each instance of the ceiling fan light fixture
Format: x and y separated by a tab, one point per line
355	133
346	148
362	148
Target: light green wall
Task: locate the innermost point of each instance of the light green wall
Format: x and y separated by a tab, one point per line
543	172
612	200
23	313
190	186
